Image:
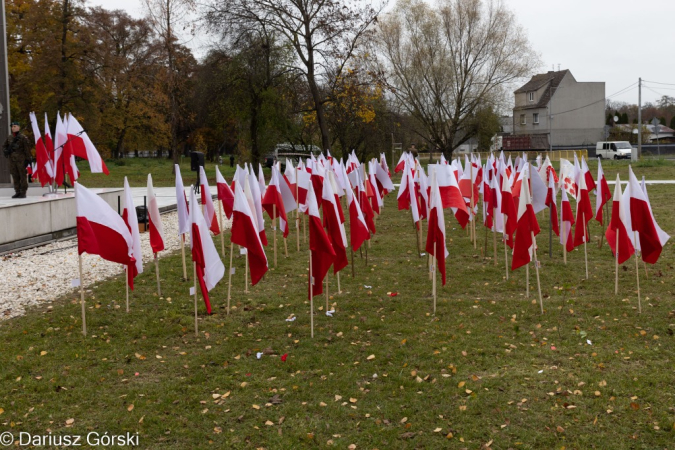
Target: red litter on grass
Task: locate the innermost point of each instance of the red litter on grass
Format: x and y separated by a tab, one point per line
392	294
136	374
284	356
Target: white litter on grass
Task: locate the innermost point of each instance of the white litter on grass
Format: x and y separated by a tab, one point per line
588	341
259	355
367	287
541	371
330	313
291	319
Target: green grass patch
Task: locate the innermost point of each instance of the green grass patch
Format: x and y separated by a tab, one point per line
488	368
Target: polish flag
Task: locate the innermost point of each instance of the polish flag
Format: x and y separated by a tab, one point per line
257	204
44	170
406	195
586	173
509	210
584	214
539	190
131	220
64	161
49	146
567	177
547	171
366	207
551	200
334	227
245	234
402	161
304	180
422	192
290	177
338	191
261	181
451	197
378	190
436	232
566	222
496	204
617	225
383	179
181	204
225	194
210	268
100	230
279	194
488	219
154	220
82	147
602	195
527	228
640	219
321	250
358	229
207	203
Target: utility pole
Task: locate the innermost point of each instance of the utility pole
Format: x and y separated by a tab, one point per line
639	118
4	94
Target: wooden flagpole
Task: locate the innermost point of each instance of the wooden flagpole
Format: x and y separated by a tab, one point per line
222	229
583	217
637	275
353	273
194	274
229	280
274	227
527	280
311	295
297	213
286	246
84	318
304	228
565	232
126	283
367	252
338	283
506	252
494	234
246	274
433	269
616	267
327	291
536	268
473	215
159	288
182	250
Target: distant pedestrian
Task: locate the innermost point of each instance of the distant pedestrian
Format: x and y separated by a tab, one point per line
231	160
17	149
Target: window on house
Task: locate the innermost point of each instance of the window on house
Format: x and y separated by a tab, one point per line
535	118
530	96
523	121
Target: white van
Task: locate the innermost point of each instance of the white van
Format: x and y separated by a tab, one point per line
613	150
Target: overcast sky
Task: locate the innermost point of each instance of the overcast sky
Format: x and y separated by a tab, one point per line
615	41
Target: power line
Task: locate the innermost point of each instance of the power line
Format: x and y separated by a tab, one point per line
657	82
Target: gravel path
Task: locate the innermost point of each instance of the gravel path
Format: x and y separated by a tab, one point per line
42	274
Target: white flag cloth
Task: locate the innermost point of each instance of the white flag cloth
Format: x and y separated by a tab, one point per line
181	204
131	219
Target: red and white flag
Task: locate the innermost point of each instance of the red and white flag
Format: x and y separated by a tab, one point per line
551	200
304	180
131	220
584	213
82	147
334	227
154	220
566	222
279	195
44	171
527	229
617	227
496	204
210	268
322	253
602	193
641	219
207	203
225	194
100	230
290	177
181	204
406	195
384	183
257	204
568	177
358	229
245	234
436	232
64	161
586	173
451	197
366	206
49	146
509	210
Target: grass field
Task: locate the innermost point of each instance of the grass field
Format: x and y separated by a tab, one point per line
487	371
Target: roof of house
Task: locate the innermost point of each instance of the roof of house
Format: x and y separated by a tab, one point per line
538	81
629	127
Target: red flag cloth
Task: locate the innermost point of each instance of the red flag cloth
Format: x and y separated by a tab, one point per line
450	193
82	147
63	157
207	203
617	226
290	177
244	233
527	226
274	197
584	214
509	210
49	145
566	222
602	194
366	207
225	194
100	230
358	229
209	267
131	220
586	173
335	228
551	200
406	195
436	232
320	247
44	172
154	220
652	238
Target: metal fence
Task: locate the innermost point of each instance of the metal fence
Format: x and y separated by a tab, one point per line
554	155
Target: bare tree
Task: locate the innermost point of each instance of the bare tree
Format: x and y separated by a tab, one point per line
444	64
325	34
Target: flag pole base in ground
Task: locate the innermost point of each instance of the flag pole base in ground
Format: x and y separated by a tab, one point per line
616	267
222	229
327	307
536	268
274	228
433	269
286	248
182	250
229	281
126	283
311	296
246	275
527	280
84	318
583	217
159	288
637	275
338	283
194	274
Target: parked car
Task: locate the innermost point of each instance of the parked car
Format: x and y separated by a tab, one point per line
614	150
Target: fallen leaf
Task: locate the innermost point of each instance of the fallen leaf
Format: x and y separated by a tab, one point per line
322	404
560	429
603	383
634	406
338	398
70	421
217	430
43	353
255	406
352	447
269	423
130	407
371	357
437	430
353	400
404	420
461	384
408	435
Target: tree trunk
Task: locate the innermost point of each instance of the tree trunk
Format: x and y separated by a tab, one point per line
64	58
120	144
318	105
256	104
